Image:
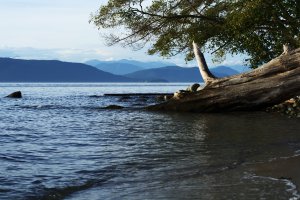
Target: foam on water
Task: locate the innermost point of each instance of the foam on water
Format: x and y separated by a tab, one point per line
290	186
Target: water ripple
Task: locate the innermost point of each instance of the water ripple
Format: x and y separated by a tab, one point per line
56	143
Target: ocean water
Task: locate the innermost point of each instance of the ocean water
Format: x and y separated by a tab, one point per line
58	143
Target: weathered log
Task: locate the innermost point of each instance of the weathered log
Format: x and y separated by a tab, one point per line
270	84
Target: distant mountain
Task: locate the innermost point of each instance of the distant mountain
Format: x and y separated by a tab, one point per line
147	65
240	68
178	74
93	62
124	66
16	70
123	62
118	68
223	71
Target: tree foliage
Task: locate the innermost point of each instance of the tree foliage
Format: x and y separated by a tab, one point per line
257	28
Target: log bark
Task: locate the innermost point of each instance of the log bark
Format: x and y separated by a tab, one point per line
270	84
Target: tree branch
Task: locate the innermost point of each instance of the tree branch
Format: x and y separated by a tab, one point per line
175	16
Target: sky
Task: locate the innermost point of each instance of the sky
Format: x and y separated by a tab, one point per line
60	29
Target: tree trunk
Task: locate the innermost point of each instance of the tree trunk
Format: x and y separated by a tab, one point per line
203	68
270	84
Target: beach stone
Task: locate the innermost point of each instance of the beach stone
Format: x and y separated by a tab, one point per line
199	88
180	94
193	88
290	108
114	107
167	97
16	94
163	97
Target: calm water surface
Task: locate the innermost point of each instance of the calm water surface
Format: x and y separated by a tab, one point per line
57	143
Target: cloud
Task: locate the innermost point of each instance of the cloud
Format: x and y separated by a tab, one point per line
105	54
72	55
75	55
56	29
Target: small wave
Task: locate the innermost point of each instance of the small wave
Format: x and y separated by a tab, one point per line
88	179
4	190
11	159
45	107
297	153
291	187
109	170
61	193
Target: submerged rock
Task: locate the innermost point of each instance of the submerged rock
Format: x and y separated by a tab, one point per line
96	96
113	107
164	97
16	95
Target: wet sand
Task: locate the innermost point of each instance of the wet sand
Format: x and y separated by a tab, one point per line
284	168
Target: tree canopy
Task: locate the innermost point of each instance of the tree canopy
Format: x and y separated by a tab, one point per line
257	28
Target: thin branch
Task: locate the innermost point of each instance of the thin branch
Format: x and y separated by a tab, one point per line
175	16
133	34
192	6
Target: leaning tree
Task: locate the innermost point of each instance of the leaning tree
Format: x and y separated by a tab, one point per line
257	28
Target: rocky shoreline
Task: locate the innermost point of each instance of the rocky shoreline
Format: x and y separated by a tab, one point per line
290	108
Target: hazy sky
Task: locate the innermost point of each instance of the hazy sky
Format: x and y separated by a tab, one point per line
59	29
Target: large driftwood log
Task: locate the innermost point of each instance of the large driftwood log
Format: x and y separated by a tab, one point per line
270	84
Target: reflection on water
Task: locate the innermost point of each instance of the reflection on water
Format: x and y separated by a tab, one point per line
63	147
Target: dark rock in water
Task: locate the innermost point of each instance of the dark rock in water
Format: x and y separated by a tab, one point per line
114	107
16	95
95	96
193	88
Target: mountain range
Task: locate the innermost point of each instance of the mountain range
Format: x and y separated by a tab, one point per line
178	74
17	70
124	66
